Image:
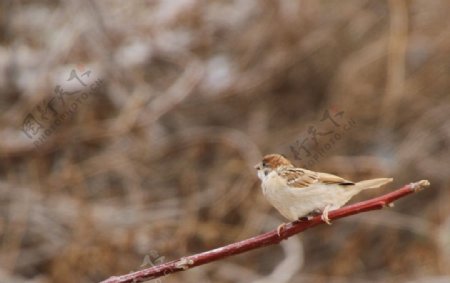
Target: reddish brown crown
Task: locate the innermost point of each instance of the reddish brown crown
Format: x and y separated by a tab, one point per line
275	160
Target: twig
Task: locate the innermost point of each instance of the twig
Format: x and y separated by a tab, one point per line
266	239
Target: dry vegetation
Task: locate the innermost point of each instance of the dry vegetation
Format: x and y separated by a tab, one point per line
158	160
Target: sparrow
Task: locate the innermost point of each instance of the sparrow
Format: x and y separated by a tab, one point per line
299	193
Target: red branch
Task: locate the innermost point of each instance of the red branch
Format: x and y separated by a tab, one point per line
266	239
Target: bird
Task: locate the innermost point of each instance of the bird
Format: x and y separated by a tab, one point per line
299	194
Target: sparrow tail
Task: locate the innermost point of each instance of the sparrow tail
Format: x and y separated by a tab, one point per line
373	183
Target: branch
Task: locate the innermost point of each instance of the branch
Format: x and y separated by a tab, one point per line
266	239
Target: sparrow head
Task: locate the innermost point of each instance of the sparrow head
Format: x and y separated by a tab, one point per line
271	162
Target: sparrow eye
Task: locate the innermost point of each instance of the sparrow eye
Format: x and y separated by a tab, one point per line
264	164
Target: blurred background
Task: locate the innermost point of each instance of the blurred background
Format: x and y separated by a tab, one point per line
129	131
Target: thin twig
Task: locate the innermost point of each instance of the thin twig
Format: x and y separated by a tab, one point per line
266	239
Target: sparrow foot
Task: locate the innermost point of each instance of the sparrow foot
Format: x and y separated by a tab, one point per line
280	229
325	215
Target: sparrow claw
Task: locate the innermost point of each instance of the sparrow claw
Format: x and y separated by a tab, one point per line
280	229
324	216
325	219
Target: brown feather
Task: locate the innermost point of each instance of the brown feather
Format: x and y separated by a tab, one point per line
275	160
333	179
300	178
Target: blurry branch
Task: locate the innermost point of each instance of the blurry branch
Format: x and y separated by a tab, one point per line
396	66
266	239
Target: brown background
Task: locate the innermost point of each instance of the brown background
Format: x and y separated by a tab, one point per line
157	162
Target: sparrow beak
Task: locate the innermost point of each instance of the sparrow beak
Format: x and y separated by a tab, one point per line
258	166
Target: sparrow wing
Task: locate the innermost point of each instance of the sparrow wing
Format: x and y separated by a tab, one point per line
301	178
333	179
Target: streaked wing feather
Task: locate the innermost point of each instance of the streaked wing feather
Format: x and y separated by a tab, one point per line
301	178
